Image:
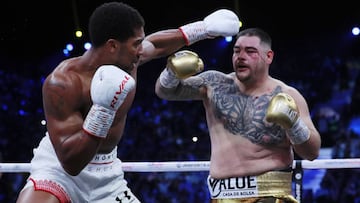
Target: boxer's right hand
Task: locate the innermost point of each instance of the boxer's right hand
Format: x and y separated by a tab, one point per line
180	65
222	22
109	88
185	64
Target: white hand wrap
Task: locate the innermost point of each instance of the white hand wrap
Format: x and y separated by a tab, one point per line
194	32
98	121
168	79
109	87
299	132
222	22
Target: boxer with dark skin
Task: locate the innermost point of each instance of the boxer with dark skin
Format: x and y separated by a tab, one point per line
86	100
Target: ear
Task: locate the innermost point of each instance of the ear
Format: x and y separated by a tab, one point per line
269	56
112	45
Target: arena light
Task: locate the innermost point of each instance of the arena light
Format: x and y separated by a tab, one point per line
70	47
22	112
66	52
78	33
228	39
355	31
354	125
87	45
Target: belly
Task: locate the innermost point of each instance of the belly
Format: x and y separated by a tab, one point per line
240	157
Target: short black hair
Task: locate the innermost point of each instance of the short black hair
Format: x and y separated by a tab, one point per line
113	20
258	32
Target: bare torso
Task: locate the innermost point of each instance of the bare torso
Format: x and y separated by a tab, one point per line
84	103
67	100
242	142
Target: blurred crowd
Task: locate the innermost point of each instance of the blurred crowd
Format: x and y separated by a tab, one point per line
159	130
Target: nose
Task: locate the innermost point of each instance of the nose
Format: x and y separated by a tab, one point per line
237	56
140	49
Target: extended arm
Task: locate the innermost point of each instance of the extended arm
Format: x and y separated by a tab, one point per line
176	81
222	22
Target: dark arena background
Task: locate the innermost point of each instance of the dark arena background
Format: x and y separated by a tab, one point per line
316	50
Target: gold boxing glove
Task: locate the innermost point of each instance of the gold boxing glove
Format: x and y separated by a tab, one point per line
283	111
185	64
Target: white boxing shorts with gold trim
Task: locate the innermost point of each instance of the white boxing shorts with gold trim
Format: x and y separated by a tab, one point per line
270	187
102	180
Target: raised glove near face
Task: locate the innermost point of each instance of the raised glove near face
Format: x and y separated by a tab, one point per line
185	64
222	22
180	65
109	88
283	111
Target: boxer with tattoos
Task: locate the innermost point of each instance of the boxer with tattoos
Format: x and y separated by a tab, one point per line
256	122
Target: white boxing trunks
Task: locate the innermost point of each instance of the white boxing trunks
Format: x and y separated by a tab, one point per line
274	185
102	180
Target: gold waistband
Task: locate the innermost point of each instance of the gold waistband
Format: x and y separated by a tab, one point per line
273	184
285	199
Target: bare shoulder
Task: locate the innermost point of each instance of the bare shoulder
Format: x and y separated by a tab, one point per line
217	76
62	88
292	91
61	78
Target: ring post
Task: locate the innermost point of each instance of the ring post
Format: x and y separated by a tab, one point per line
298	180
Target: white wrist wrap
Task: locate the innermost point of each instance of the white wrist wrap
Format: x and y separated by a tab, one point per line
168	79
194	32
98	121
299	133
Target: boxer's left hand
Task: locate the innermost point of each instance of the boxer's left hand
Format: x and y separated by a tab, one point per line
283	111
222	22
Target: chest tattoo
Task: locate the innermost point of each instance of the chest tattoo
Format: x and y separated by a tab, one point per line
244	115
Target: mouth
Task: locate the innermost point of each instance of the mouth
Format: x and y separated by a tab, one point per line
241	68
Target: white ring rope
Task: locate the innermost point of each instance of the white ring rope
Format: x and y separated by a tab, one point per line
186	166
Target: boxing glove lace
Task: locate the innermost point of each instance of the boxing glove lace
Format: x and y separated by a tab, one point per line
109	87
283	111
222	22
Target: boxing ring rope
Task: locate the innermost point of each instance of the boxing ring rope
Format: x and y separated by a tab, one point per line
192	166
188	166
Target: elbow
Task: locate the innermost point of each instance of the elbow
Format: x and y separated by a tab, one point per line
159	91
315	153
158	88
72	167
71	170
311	149
308	152
312	156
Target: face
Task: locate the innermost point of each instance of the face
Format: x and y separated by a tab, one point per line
251	60
129	51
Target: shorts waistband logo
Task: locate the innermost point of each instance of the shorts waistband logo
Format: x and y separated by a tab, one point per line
239	187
